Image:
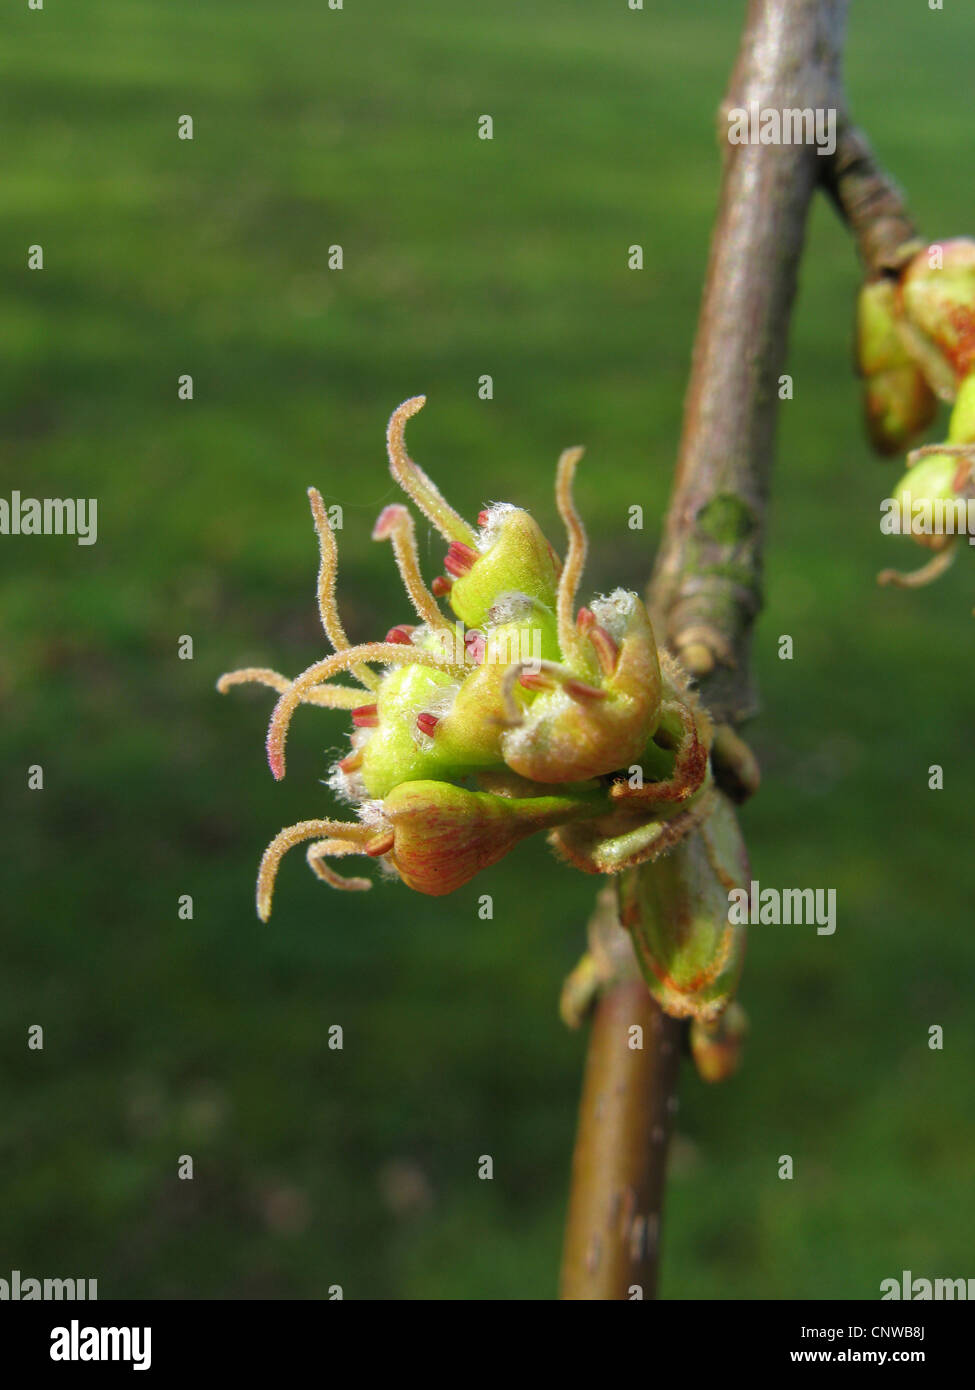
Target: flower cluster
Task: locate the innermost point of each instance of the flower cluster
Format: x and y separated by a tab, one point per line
916	345
516	713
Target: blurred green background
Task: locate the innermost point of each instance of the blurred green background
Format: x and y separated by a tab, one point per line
209	1037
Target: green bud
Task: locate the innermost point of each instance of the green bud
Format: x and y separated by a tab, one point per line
444	835
676	910
575	729
879	347
935	482
525	716
513	556
898	402
937	301
717	1047
961	429
389	748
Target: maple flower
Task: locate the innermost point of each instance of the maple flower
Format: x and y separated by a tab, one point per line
916	345
516	713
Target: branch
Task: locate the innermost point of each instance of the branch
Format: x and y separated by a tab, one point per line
871	204
706	590
618	1166
704	597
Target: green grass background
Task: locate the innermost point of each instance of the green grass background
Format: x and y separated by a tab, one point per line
209	1037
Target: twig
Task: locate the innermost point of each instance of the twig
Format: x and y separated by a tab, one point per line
706	593
614	1214
869	201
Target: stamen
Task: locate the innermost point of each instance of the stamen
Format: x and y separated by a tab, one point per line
520	673
475	647
327	571
441	586
483	518
415	482
366	716
351	762
389	653
427	723
381	845
294	835
576	557
607	652
460	559
331	696
579	690
402	632
396	524
927	574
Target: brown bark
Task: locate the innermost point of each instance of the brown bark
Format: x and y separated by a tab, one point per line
629	1092
705	595
870	203
706	589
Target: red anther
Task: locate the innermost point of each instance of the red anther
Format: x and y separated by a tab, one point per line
585	619
352	762
534	680
366	716
460	558
605	648
482	518
382	844
441	586
580	691
400	633
475	646
426	723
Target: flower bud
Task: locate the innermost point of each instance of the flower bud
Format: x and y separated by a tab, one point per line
717	1047
512	556
937	305
677	912
961	429
443	835
927	493
526	716
898	402
577	729
391	751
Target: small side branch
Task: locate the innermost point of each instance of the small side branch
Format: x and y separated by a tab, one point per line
870	202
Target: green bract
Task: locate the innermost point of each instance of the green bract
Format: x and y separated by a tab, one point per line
690	954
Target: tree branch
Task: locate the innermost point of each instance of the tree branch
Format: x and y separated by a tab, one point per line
706	589
704	597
